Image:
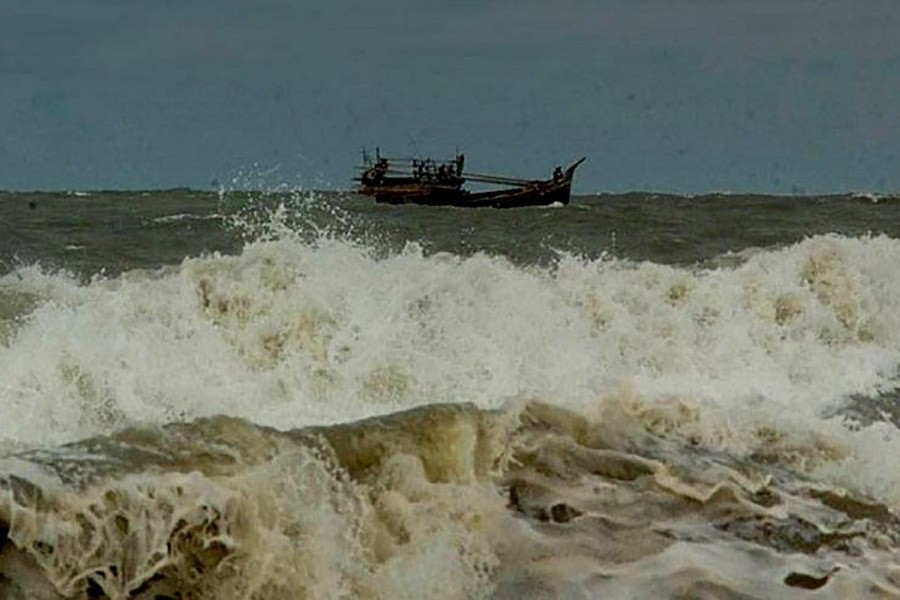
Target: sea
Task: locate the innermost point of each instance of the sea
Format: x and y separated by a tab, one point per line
287	394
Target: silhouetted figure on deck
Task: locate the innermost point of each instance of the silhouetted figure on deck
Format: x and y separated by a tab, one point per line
557	174
460	162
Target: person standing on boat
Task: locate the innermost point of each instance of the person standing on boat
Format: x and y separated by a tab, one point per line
557	174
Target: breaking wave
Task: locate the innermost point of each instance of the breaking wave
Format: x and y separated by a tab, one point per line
197	427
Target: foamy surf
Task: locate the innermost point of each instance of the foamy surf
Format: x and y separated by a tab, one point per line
446	501
605	427
186	217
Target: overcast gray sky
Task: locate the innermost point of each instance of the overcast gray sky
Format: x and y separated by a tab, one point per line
668	95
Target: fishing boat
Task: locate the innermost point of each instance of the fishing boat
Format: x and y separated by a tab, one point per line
440	183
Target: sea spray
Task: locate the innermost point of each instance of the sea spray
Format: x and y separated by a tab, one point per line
293	334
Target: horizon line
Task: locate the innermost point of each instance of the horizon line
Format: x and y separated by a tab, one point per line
289	190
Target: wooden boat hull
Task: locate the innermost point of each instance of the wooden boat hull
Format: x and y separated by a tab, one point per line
520	197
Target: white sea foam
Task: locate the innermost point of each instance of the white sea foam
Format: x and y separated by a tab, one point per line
187	217
873	197
290	334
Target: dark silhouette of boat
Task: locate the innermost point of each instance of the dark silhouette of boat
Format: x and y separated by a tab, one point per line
440	183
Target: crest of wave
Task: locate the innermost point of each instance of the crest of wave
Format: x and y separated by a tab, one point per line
220	508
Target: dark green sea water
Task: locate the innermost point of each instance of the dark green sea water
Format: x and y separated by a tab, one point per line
116	231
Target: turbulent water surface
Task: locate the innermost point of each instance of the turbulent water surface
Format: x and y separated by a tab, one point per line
291	395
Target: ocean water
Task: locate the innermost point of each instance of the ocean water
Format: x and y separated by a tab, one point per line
304	395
